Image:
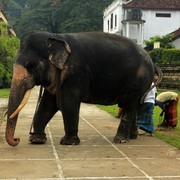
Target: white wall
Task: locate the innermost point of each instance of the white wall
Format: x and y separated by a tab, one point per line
114	9
176	43
160	25
153	25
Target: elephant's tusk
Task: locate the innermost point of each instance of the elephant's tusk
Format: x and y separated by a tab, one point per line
23	102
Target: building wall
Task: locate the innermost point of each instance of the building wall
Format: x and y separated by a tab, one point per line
115	10
176	43
160	25
153	25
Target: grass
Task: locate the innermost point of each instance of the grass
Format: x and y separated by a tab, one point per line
4	93
170	136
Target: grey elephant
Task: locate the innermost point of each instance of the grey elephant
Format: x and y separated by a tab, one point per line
92	67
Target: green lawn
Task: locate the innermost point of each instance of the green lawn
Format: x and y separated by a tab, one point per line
4	93
171	136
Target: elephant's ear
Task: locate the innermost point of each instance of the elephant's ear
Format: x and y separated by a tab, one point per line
59	51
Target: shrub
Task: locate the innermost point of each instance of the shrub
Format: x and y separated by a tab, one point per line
156	55
165	42
8	49
171	56
162	55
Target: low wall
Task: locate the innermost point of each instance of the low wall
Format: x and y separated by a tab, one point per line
171	76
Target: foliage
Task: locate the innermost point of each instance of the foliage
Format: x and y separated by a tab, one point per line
8	49
11	4
164	56
156	55
61	16
21	3
171	56
165	42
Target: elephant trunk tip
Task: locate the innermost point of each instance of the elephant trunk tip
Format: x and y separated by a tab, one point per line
13	142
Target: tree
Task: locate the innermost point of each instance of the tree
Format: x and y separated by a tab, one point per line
165	42
60	16
8	50
81	15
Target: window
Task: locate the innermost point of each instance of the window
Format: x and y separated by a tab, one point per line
108	25
111	21
116	20
166	15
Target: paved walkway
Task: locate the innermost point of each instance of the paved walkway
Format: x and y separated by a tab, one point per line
96	158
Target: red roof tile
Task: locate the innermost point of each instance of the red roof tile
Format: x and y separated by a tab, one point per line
154	4
176	33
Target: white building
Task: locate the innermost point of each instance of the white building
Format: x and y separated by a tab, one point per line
142	19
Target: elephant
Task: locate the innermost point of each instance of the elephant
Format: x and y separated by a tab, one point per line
90	67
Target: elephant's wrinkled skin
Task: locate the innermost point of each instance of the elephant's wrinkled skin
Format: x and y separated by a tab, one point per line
96	68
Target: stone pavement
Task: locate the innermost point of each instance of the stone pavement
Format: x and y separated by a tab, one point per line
96	158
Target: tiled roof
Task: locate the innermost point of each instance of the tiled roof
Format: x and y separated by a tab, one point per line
176	33
154	4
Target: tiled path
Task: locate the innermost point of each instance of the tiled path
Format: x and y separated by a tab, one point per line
96	158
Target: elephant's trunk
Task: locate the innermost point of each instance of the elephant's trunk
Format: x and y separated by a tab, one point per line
18	97
10	129
23	102
12	118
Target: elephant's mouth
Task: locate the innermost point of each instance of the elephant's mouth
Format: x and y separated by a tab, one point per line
22	104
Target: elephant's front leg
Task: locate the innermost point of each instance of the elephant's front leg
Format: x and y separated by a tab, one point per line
127	127
70	110
47	109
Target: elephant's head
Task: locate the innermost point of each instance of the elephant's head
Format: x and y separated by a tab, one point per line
40	54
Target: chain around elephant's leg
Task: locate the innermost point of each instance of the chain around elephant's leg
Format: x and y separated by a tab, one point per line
36	138
46	110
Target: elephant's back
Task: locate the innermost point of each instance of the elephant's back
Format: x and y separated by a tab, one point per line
108	55
104	46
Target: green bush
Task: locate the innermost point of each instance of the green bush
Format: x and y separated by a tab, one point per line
171	56
165	42
162	55
156	55
8	49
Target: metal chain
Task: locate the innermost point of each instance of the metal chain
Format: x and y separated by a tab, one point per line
37	106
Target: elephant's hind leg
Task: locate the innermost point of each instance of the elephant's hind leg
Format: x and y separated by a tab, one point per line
127	127
47	109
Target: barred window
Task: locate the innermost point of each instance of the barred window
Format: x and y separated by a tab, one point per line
166	15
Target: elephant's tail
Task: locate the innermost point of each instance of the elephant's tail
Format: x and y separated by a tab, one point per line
159	74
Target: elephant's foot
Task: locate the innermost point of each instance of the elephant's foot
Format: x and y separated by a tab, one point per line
120	139
36	138
122	135
73	140
133	132
133	136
